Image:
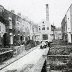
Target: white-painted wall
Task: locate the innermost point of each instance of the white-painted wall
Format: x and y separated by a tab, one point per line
2	29
68	21
68	26
48	32
69	38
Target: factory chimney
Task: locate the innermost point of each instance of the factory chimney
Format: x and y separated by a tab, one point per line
47	12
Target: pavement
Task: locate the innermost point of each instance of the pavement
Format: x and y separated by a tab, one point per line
32	59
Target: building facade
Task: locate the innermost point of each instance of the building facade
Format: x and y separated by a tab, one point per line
64	29
45	28
67	25
57	33
2	29
45	32
16	26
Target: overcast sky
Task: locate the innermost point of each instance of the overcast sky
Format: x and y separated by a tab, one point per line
36	9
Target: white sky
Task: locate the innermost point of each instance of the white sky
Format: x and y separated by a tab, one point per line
36	9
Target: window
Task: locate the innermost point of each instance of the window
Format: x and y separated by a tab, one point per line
39	27
0	28
45	36
43	22
47	28
18	19
17	23
43	28
33	29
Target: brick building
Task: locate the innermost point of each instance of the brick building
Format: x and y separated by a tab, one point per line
15	25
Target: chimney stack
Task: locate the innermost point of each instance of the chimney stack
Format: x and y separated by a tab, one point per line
19	14
12	11
47	12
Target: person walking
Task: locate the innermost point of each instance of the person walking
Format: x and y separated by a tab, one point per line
49	45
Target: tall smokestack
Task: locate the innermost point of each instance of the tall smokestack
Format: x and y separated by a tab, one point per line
47	12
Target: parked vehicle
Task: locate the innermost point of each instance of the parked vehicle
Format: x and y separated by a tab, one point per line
43	45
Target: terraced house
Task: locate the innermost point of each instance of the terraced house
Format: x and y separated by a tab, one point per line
66	25
17	27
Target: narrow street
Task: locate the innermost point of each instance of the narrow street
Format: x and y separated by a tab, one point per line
31	58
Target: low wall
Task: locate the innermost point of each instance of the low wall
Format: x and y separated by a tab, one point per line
18	50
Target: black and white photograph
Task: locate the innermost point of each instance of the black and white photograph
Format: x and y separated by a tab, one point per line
35	35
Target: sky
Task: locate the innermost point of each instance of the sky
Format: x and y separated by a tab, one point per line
35	10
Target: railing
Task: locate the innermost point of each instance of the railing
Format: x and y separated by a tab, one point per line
5	55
